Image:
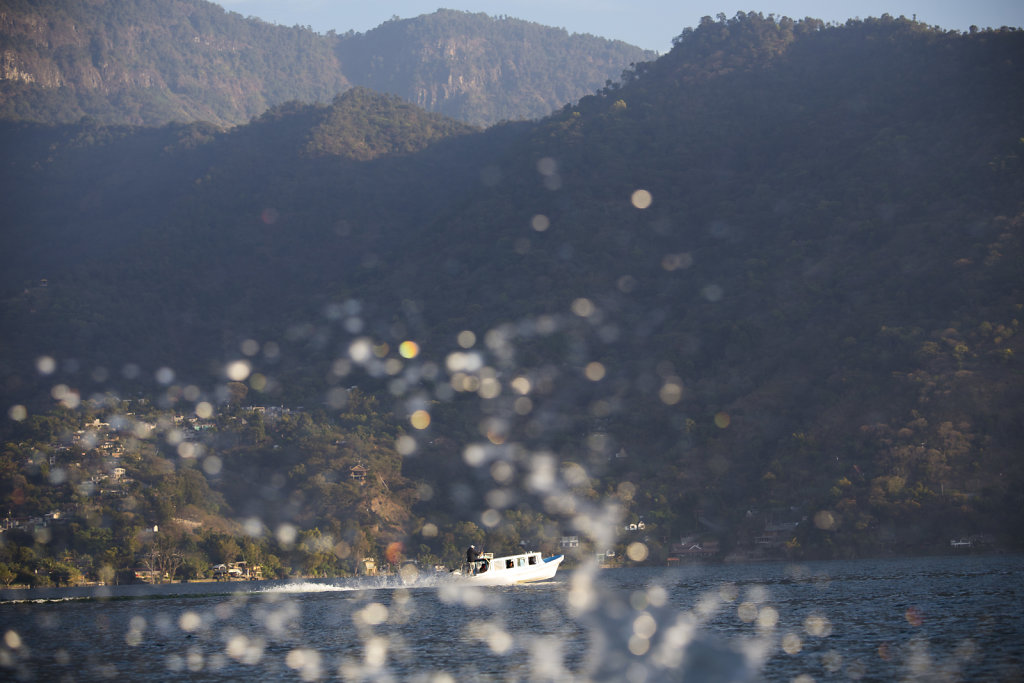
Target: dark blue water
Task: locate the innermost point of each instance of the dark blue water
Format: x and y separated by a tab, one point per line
936	618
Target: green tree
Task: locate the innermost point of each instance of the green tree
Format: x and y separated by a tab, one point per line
7	575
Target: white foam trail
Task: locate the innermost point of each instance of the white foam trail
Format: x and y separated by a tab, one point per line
343	585
308	587
44	601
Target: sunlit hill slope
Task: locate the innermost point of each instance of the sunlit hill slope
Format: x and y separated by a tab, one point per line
150	62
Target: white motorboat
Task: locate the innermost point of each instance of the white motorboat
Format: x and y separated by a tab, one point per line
489	570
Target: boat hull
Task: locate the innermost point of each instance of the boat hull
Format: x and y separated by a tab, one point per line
500	574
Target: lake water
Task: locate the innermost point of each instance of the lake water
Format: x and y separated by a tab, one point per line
957	618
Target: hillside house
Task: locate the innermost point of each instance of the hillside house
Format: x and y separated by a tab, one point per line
689	549
358	473
238	571
775	534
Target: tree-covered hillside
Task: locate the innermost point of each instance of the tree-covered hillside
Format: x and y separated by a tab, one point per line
116	487
766	291
813	303
481	69
149	62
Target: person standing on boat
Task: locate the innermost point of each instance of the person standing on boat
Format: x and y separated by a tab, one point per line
472	556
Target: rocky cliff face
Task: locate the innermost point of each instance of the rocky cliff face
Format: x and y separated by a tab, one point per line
155	61
151	62
481	69
26	38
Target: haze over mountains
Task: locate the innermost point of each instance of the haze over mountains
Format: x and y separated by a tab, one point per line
777	269
150	62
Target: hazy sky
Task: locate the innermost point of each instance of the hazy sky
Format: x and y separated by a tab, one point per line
647	23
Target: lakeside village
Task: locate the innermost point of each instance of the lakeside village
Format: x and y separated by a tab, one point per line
84	501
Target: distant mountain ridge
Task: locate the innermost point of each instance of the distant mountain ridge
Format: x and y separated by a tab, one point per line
480	69
150	62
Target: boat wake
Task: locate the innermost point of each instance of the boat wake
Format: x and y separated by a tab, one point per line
406	580
341	585
46	601
307	587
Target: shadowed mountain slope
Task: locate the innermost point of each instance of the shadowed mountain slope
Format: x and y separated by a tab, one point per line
777	269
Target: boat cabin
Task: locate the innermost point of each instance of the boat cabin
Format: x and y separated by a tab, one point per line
488	563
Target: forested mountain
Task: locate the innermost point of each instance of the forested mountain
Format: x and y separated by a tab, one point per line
154	61
481	69
772	277
150	62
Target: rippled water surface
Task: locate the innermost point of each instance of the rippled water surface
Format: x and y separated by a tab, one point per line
936	618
